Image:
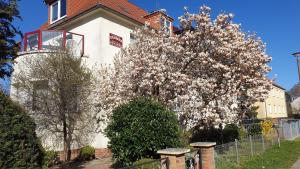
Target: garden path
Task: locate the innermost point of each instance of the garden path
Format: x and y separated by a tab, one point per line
104	163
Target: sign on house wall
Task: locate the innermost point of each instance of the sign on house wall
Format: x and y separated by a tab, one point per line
115	40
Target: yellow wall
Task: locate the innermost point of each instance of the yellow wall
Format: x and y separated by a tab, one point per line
274	106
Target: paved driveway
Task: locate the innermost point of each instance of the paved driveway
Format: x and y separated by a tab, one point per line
94	164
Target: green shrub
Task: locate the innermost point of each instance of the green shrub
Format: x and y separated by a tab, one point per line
140	128
230	133
185	138
218	135
253	129
242	132
19	145
50	158
87	153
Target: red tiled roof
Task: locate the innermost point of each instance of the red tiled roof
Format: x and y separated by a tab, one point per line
159	12
44	26
124	7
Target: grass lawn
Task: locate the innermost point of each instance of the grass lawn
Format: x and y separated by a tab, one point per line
228	159
273	158
276	158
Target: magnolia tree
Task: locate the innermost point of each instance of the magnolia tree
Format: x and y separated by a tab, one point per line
210	73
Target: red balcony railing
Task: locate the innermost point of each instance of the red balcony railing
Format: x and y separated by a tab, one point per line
49	41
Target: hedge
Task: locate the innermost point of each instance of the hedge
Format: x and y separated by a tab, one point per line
19	145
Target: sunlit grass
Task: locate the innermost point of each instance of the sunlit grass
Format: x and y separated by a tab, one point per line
273	158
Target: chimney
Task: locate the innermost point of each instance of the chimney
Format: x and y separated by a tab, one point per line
158	18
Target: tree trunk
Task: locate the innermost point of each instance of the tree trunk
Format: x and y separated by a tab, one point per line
66	154
69	146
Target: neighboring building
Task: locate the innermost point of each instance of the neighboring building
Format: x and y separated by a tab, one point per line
97	29
275	105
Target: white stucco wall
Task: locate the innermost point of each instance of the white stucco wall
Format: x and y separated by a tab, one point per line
91	31
96	28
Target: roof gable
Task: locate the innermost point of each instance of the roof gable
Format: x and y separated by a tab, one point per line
123	7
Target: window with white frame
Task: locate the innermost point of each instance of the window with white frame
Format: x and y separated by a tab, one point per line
269	108
167	25
58	10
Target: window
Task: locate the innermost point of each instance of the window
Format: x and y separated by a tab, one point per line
63	7
55	11
132	38
280	109
273	93
269	108
58	10
32	42
168	25
39	94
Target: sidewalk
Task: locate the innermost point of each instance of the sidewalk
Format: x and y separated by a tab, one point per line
296	165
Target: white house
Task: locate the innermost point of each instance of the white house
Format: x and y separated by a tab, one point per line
97	29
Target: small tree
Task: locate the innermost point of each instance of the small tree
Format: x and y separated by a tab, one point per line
19	145
57	89
139	128
8	45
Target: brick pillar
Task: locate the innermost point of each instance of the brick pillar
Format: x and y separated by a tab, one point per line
206	152
175	157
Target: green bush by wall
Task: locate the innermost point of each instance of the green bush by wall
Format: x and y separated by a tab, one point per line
139	128
87	153
50	158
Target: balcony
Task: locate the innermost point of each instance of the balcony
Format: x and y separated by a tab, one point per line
52	41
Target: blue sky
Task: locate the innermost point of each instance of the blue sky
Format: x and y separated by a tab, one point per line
277	22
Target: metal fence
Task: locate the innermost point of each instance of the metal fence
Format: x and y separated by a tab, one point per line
289	128
231	155
253	142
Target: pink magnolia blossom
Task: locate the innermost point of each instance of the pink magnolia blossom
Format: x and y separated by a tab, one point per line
211	73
